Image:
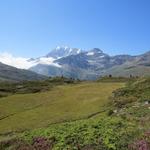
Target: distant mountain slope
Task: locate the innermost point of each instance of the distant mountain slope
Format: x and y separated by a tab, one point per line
137	66
8	73
65	70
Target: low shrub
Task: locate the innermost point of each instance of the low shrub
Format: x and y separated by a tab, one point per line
141	144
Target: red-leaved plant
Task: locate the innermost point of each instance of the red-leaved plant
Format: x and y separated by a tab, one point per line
142	144
41	143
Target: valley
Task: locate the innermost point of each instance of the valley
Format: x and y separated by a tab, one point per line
74	75
62	103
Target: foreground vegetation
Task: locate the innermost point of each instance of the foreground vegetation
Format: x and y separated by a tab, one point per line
118	121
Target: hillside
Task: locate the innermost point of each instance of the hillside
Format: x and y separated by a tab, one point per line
138	66
8	73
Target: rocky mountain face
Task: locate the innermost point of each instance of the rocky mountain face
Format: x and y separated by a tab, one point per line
76	63
93	59
94	62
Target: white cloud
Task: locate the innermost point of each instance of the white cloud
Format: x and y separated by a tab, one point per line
23	63
47	61
17	62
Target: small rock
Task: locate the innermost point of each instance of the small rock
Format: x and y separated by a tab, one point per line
115	111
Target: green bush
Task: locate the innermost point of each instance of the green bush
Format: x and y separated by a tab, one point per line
104	133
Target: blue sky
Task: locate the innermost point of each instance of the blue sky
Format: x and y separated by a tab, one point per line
31	28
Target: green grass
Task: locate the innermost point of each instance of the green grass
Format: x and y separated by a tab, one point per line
25	87
117	79
83	116
62	103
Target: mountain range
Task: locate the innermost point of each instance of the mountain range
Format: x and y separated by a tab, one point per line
82	64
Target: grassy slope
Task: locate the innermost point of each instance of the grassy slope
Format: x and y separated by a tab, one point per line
125	128
26	87
67	102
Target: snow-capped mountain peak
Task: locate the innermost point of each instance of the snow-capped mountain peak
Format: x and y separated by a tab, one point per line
90	53
63	51
95	51
58	48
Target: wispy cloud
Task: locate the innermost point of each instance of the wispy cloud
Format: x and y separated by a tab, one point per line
25	63
17	62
